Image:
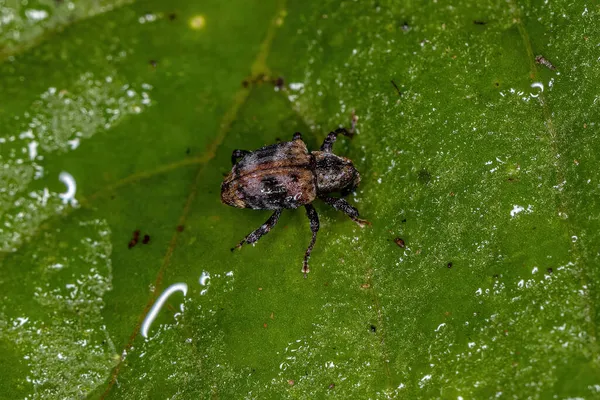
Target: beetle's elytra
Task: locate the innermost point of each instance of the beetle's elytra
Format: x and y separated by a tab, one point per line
287	176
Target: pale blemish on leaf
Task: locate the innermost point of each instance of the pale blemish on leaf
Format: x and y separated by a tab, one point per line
60	330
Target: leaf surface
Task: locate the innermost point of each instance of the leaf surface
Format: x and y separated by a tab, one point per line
479	155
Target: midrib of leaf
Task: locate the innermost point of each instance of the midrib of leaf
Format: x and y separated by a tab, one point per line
239	99
577	247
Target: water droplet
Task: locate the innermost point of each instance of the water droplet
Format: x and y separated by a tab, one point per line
176	287
69	196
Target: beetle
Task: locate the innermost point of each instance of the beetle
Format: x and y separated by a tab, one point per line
287	176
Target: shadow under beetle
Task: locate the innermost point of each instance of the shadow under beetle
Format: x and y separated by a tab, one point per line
286	176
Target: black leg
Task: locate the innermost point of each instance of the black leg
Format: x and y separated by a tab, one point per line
262	230
343	206
330	139
238	154
297	136
311	213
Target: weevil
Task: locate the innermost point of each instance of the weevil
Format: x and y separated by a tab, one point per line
287	176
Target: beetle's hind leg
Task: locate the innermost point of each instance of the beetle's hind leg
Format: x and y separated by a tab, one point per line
343	206
238	154
261	231
330	139
313	217
297	136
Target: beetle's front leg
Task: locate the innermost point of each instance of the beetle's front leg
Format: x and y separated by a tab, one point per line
313	217
238	154
343	206
262	230
330	139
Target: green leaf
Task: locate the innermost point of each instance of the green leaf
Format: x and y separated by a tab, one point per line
120	117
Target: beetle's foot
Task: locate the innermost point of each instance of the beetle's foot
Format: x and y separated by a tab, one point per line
238	246
362	222
305	269
354	122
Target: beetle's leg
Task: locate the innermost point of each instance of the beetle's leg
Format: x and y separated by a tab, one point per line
343	206
262	230
313	217
330	139
297	136
238	154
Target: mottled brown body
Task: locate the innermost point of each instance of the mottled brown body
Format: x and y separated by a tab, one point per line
272	177
286	176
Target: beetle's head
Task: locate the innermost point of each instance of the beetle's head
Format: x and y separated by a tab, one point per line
335	173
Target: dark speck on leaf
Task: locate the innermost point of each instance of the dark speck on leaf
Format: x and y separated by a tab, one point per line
180	228
278	83
373	328
154	63
245	83
543	61
449	265
188	151
405	27
134	239
172	17
424	176
399	242
396	87
478	22
331	385
404	220
146	239
550	270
